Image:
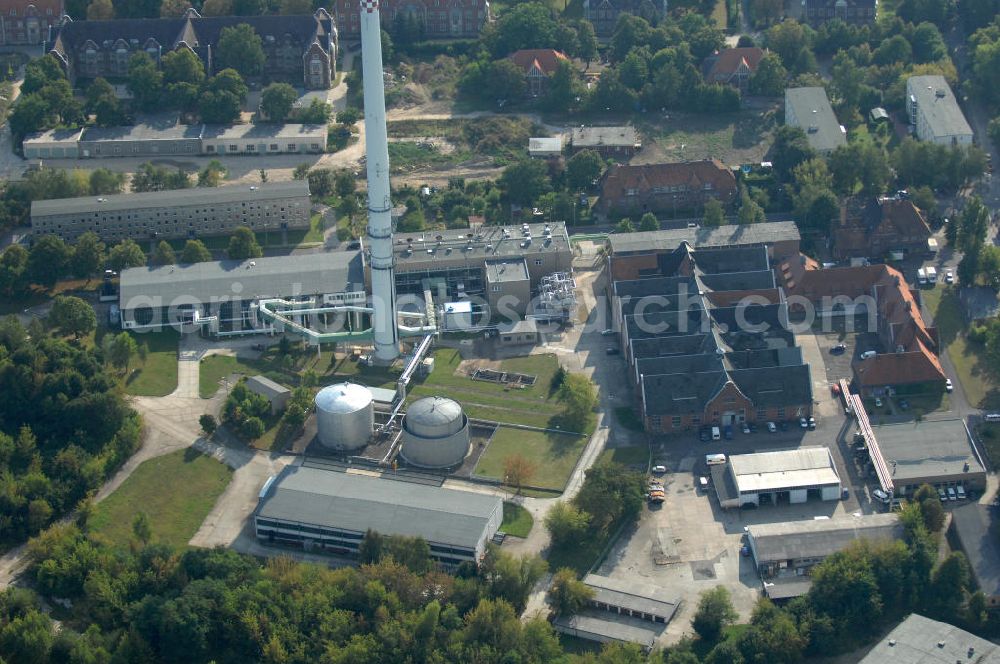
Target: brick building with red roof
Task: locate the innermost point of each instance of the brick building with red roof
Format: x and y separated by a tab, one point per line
28	21
630	189
733	66
538	65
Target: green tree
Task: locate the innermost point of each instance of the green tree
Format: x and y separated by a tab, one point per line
930	507
173	8
612	495
344	183
243	245
252	428
511	578
580	397
104	181
714	214
566	524
195	251
715	611
928	44
583	168
182	66
994	131
88	255
120	349
145	81
28	638
277	100
208	424
788	39
126	254
212	175
241	48
587	41
565	89
73	316
164	254
103	103
949	585
142	528
100	10
567	594
790	149
40	73
524	181
625	225
48	260
13	271
648	222
769	78
750	212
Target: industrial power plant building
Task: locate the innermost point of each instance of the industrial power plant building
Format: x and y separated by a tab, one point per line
181	213
223	291
791	476
331	511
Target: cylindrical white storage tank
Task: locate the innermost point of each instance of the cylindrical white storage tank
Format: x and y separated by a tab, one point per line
345	416
435	433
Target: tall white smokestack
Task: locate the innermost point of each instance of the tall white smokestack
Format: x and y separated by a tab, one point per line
386	334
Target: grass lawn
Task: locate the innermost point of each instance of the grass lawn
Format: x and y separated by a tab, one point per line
555	455
973	370
157	375
636	455
216	367
517	521
719	15
733	137
176	491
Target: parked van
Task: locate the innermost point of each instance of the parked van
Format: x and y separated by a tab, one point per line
922	277
960	490
715	459
868	354
931	275
716	434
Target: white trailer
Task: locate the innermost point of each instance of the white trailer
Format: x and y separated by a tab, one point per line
931	275
922	277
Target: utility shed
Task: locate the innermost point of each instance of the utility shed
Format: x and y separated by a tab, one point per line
276	395
317	509
792	475
920	640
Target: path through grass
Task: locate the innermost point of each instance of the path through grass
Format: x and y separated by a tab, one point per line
176	491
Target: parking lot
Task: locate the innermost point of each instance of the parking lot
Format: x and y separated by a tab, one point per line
689	544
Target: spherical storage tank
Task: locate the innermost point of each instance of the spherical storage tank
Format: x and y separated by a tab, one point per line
345	416
435	433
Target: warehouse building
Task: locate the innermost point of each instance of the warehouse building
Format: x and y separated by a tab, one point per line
785	552
218	295
619	611
941	453
263	139
920	640
181	213
455	264
809	109
934	111
323	510
160	136
772	478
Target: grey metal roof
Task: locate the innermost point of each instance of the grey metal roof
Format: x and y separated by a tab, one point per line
593	137
229	194
70	136
704	236
977	529
357	503
787	587
775	387
811	108
597	625
265	386
938	105
162	128
629	595
433	411
794	540
416	251
307	274
771	471
545	144
518	327
506	269
265	130
920	640
929	448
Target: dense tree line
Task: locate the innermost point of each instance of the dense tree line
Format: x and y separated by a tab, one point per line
64	425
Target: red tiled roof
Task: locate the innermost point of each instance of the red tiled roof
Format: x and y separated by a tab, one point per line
694	174
727	61
546	59
919	366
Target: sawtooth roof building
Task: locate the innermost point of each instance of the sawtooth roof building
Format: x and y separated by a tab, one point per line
323	510
219	294
179	213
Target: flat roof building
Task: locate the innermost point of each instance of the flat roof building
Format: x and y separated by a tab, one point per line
151	297
976	528
790	549
545	147
53	144
606	141
276	395
156	136
941	453
920	640
809	109
179	213
934	111
263	139
325	510
774	477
